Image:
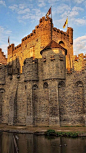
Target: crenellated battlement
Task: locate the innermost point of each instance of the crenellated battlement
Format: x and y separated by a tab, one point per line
80	56
60	32
44	19
29	37
79	62
3	59
17	46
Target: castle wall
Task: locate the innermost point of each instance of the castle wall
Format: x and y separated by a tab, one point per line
72	100
44	102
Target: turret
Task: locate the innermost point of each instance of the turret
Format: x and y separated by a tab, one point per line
10	49
45	30
70	33
54	63
30	69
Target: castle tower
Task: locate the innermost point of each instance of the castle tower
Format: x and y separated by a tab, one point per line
45	30
54	66
69	48
30	69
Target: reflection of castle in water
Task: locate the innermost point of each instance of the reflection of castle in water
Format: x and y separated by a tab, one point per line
29	143
43	84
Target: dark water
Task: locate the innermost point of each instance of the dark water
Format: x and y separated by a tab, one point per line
29	143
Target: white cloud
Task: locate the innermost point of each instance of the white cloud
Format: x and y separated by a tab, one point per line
2	3
22	6
65	10
36	14
71	12
4	33
78	1
52	1
77	8
24	11
41	3
13	7
62	8
80	45
80	21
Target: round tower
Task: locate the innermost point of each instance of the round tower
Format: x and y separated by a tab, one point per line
31	69
54	63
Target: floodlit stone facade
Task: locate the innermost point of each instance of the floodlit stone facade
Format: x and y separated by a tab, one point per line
43	84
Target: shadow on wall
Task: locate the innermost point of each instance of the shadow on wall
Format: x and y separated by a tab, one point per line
14	67
1	102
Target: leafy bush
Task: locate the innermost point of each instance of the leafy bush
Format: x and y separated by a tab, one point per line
50	132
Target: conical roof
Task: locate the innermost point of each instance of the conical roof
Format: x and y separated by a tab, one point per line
53	44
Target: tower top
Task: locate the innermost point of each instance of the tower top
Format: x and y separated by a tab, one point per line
53	44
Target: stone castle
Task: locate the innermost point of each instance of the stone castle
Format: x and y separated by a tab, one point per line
41	82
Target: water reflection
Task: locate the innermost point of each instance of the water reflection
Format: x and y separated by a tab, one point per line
29	143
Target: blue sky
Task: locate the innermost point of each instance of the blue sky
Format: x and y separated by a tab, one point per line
19	17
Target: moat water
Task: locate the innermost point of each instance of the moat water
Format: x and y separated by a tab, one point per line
29	143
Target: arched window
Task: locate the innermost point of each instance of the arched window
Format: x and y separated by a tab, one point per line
45	85
34	87
2	90
62	43
61	84
79	84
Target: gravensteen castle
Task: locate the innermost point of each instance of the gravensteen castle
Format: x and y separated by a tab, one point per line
41	82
